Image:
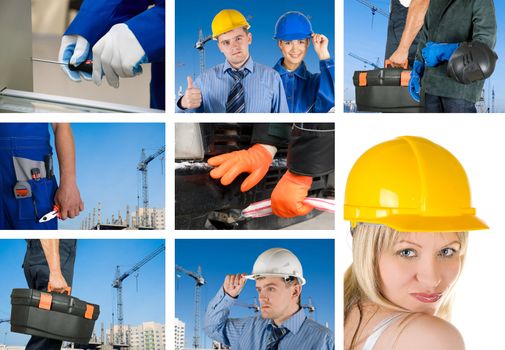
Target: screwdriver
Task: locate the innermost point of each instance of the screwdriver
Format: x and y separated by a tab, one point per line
86	66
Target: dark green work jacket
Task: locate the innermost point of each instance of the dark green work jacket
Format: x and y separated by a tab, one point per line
311	148
456	21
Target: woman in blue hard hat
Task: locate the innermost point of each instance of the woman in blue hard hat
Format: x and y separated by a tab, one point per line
305	92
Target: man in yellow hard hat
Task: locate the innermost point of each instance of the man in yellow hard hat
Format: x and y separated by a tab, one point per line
239	85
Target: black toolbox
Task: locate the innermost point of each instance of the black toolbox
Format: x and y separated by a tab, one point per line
52	315
384	90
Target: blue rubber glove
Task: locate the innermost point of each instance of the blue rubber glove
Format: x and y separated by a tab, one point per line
74	49
436	53
415	80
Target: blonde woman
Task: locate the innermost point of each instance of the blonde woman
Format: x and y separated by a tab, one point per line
408	201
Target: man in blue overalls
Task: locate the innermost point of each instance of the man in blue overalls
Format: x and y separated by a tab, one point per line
305	92
49	261
28	188
123	34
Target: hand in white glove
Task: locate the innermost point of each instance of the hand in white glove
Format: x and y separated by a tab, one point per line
74	49
117	54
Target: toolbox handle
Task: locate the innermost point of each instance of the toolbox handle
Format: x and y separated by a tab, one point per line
89	311
50	289
387	64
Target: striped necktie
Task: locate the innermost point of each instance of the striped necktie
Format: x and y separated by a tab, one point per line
275	338
236	101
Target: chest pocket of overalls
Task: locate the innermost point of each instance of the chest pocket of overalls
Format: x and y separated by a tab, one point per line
34	192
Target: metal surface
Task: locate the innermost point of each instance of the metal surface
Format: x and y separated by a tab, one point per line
30	102
16	45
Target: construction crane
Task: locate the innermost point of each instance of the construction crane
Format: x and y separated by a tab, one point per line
118	284
374	8
254	306
5	321
310	307
199	282
492	101
142	167
200	46
364	60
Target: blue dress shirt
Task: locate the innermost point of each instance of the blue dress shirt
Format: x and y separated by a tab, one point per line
253	333
307	92
263	89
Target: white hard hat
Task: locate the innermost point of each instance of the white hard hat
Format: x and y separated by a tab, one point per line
277	262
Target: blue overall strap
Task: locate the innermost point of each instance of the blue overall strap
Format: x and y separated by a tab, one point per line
26	130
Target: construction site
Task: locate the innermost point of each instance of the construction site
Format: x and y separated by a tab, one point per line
144	217
377	17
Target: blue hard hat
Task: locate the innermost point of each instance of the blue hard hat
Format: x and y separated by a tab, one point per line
293	25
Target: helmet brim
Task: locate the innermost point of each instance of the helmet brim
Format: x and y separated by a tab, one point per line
257	275
414	223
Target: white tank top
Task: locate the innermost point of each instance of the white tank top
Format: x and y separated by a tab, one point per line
378	330
405	3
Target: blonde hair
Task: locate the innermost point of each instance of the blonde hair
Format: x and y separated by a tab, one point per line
362	280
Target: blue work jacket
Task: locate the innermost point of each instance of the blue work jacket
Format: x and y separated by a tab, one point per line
307	92
96	17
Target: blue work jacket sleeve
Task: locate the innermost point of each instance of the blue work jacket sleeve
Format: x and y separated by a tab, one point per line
217	325
96	17
149	29
325	99
279	102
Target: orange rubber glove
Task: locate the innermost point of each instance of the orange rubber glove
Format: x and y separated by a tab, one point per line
255	160
288	195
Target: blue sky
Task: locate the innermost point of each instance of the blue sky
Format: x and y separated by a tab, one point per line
219	257
262	16
369	42
94	272
107	156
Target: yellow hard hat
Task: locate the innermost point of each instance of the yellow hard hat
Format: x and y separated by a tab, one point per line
411	185
227	20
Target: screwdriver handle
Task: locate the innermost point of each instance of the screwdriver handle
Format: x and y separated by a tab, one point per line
86	66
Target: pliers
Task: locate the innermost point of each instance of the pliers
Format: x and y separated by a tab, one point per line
51	215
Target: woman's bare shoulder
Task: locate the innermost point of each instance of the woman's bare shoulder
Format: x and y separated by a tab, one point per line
422	332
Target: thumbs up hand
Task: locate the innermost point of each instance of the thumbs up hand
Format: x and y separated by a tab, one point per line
192	97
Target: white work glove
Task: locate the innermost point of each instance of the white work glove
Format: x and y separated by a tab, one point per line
117	54
74	49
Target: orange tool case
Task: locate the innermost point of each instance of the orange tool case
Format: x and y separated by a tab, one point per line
52	315
384	90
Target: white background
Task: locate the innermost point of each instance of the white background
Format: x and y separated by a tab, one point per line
478	142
